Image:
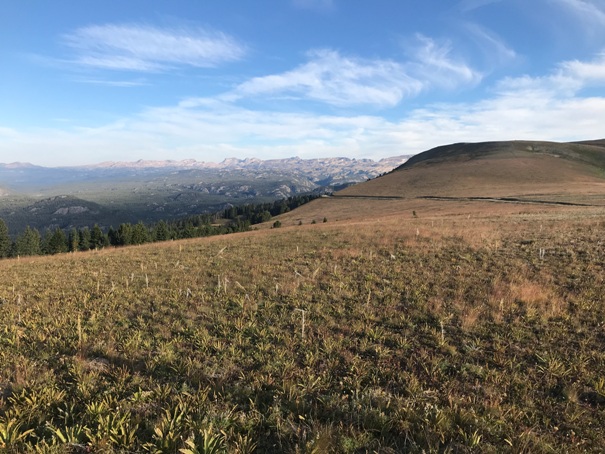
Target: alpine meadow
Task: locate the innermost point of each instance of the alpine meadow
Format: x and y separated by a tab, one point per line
454	304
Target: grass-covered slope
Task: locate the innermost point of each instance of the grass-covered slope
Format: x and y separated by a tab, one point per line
566	172
460	335
589	152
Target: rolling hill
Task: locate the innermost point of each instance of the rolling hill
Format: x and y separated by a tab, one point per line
516	169
518	173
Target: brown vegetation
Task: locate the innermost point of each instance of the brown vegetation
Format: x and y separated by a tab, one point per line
429	326
527	170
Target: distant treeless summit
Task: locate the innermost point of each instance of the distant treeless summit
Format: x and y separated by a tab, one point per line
526	170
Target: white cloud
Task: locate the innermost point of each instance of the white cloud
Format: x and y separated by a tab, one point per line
434	63
580	23
334	79
589	73
8	133
113	83
469	5
550	107
566	81
136	47
589	11
338	80
494	49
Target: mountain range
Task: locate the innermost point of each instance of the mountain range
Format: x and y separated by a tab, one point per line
111	193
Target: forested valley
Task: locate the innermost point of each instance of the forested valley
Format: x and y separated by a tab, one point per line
232	219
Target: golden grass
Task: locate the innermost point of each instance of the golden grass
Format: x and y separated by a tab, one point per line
471	327
534	171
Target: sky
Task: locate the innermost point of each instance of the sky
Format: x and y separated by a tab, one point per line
86	82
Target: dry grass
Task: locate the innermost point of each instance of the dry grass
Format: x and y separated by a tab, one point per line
526	170
477	330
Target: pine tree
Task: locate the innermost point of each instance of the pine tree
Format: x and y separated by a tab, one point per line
112	235
44	242
55	242
98	240
28	243
140	234
84	235
124	235
5	241
74	240
161	232
188	230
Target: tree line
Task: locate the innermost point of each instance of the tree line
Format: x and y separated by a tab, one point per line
55	241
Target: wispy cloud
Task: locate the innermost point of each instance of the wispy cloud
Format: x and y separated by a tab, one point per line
8	133
331	78
493	47
137	47
590	73
565	81
584	22
434	63
469	5
589	11
113	83
550	107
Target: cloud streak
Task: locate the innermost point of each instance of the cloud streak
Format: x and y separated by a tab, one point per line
590	73
588	11
470	5
550	107
433	63
331	78
144	48
493	47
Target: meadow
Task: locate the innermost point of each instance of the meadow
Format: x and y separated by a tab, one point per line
442	332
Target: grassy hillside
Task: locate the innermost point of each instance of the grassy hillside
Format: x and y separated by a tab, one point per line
444	307
542	171
448	333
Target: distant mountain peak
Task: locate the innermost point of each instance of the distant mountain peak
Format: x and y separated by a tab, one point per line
250	163
146	164
110	193
18	165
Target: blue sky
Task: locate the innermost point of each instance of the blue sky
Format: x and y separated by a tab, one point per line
85	82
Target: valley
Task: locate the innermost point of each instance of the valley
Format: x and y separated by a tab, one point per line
112	193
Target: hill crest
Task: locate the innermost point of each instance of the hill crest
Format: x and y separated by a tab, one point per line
591	152
495	169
